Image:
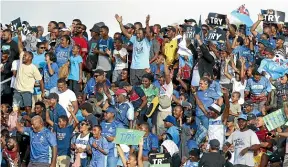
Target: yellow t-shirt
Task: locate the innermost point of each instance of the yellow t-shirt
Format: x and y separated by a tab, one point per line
170	51
26	76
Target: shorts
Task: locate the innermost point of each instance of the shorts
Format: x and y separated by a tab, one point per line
160	129
136	76
38	164
116	75
22	99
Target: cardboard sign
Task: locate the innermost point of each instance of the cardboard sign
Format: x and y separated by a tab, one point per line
273	16
216	19
15	24
192	31
217	35
275	119
26	28
159	159
128	136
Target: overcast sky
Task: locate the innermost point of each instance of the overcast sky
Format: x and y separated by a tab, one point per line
161	11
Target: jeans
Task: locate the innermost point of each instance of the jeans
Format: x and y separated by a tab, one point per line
84	162
203	120
112	161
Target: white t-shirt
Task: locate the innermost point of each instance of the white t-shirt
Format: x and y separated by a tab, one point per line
119	64
65	99
242	140
82	143
15	67
168	91
239	87
195	77
216	130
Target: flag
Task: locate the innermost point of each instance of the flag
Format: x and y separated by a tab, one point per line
242	14
274	69
200	26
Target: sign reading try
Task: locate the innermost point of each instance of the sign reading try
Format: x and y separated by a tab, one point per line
191	31
273	16
216	19
217	35
15	24
128	136
159	159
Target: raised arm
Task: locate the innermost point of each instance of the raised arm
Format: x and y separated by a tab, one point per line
122	155
230	27
20	45
76	122
148	34
124	31
140	154
198	102
256	24
48	120
226	73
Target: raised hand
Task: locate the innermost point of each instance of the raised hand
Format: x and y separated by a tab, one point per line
108	51
260	17
147	19
118	18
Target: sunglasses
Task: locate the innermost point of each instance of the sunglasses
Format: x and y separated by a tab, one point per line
42	47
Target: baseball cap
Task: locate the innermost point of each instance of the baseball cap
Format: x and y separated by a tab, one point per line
269	50
111	109
190	20
281	37
66	29
129	25
214	143
248	103
170	119
243	116
264	42
214	107
53	96
230	118
251	116
121	91
171	28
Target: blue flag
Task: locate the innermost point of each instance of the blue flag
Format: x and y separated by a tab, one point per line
242	14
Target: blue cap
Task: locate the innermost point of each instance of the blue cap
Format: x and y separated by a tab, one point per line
111	109
170	119
242	116
264	42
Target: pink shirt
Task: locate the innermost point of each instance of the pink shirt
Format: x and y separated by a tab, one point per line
12	120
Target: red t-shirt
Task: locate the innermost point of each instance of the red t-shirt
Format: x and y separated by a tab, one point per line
83	45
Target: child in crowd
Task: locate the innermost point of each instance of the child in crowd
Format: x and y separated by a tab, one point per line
120	56
75	74
64	133
235	107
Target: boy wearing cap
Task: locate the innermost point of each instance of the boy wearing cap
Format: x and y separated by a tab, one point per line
109	125
213	158
245	142
125	114
172	132
56	109
170	45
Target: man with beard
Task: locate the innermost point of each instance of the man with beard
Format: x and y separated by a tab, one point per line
80	40
41	139
245	142
9	44
141	50
10	153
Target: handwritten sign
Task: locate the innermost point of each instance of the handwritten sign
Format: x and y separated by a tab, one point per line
15	24
275	119
159	159
273	16
217	35
128	136
216	19
191	31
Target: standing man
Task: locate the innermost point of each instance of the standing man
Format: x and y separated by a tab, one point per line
245	142
27	74
41	139
104	44
9	44
141	50
93	44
